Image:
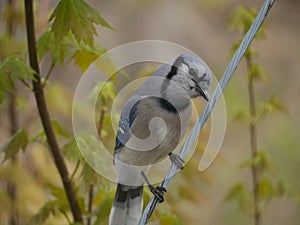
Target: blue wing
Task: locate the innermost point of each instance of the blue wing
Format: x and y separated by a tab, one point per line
125	124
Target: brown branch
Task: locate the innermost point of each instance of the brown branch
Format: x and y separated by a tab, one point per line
45	117
253	143
10	20
90	204
12	189
101	120
12	113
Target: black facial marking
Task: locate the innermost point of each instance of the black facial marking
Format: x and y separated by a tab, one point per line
172	72
174	67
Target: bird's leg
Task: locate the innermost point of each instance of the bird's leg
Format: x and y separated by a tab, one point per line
158	191
177	160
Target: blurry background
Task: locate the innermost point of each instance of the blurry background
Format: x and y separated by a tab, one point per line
202	26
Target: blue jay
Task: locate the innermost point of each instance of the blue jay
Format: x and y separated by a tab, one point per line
152	123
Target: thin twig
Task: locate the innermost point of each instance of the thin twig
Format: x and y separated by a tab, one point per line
90	204
101	120
75	170
12	189
45	117
28	86
66	216
91	191
45	81
253	142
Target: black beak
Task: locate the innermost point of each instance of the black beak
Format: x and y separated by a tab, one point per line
203	93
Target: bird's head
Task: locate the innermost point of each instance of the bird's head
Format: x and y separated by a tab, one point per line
191	74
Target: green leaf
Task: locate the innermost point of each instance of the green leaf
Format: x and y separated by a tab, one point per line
258	73
105	93
71	151
60	196
43	214
278	105
84	54
40	136
239	194
6	85
11	70
44	43
274	105
89	176
78	17
242	116
18	141
261	161
84	58
234	192
47	43
265	188
15	69
241	20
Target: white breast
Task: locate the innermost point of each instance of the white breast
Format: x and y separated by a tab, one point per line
156	133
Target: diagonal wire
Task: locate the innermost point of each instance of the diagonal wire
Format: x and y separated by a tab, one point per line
210	105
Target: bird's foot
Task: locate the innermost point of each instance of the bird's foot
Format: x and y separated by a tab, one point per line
177	160
158	191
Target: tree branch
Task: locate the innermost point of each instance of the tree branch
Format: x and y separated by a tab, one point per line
11	186
253	142
45	81
12	189
45	117
91	191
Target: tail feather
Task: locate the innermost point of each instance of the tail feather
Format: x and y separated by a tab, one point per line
127	206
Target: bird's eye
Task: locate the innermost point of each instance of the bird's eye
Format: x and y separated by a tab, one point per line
192	71
192	86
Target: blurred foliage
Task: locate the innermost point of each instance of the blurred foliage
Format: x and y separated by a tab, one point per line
194	197
254	201
71	35
17	142
11	70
